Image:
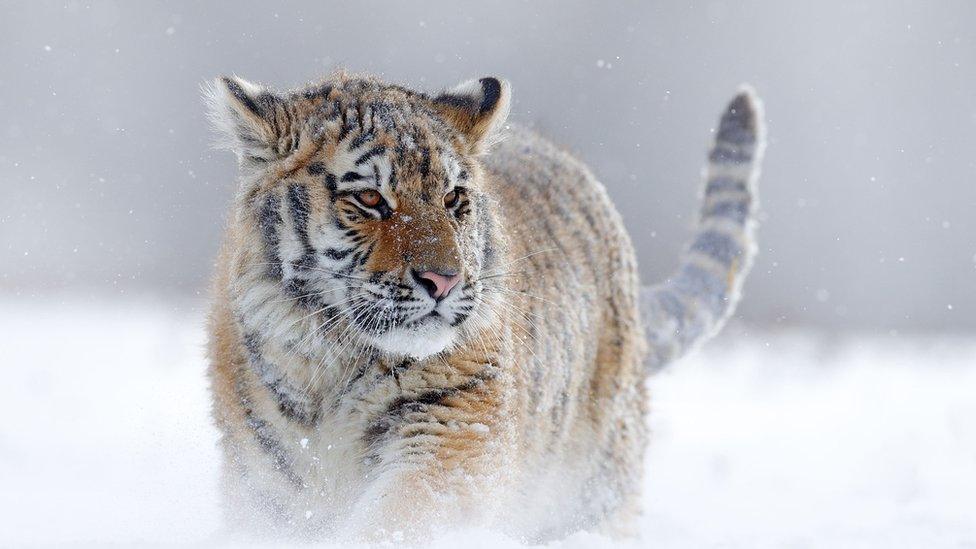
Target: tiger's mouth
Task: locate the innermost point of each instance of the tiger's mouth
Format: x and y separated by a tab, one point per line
431	316
411	323
419	339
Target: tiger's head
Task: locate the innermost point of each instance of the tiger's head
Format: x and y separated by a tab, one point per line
368	204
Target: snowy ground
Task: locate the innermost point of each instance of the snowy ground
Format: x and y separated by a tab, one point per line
764	440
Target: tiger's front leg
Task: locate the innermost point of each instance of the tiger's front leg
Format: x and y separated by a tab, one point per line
438	452
413	500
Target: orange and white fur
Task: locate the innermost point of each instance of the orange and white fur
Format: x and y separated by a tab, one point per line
426	317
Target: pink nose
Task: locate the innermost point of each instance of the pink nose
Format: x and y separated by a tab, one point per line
438	285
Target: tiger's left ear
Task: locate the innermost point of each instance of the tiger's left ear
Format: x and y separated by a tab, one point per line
477	109
251	120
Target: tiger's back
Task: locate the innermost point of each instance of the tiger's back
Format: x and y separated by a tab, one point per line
579	342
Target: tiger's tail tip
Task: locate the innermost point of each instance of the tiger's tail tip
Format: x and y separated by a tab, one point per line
742	121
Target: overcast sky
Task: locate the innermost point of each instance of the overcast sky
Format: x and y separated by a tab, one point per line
108	183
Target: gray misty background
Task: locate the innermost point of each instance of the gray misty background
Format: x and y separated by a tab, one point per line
108	184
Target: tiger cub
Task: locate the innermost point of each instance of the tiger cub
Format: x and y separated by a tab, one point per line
423	316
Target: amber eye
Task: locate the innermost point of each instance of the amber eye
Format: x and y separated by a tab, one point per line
370	199
451	198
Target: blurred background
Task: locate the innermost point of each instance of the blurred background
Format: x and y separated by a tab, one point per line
835	411
108	183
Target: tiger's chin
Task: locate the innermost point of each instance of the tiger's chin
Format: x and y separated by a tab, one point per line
418	340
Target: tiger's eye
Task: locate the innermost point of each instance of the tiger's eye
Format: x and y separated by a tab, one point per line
370	198
450	199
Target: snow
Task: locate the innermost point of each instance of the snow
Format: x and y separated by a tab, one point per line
782	439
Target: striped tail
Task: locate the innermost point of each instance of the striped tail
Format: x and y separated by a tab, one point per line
693	304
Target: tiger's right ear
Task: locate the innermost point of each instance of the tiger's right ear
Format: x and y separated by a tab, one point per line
477	109
248	118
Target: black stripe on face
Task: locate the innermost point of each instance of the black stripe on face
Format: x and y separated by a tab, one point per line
269	219
363	213
366	254
460	317
361	139
393	179
337	255
359	258
298	205
352	176
424	161
376	176
335	109
375	151
315	168
348	124
298	289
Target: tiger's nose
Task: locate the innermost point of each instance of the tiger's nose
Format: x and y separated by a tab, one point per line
438	285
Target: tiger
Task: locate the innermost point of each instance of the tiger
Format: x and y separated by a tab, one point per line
425	316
